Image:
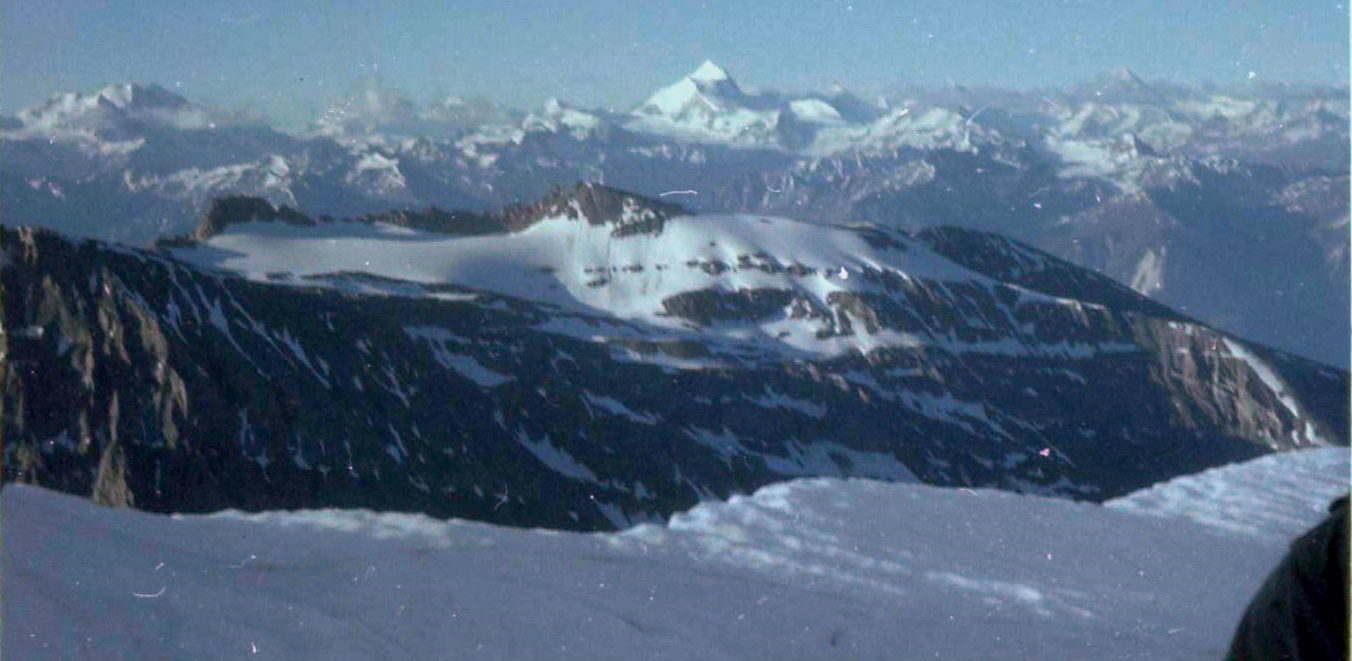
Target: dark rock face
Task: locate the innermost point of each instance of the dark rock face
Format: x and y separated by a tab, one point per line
1254	249
708	306
1014	262
601	205
458	223
138	380
236	209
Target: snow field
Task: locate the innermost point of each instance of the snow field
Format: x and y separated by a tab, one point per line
809	569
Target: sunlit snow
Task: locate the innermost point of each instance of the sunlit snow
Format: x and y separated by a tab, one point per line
583	269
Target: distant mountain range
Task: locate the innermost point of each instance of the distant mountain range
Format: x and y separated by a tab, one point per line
596	358
1227	204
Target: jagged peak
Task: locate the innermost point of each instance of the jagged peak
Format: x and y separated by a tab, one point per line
70	106
599	205
553	105
1142	147
1122	76
708	72
138	95
557	116
708	87
1125	81
235	210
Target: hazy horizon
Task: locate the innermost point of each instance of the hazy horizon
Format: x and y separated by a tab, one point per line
288	65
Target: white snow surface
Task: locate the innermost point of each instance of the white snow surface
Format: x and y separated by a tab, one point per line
815	110
1271	498
708	106
584	270
809	569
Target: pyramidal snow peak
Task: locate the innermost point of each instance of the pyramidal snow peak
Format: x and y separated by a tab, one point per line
708	85
707	106
1073	172
709	72
141	95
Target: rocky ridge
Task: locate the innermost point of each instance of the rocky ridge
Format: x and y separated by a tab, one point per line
138	378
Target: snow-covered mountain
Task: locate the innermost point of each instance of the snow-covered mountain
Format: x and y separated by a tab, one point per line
598	358
809	569
374	111
709	105
1140	180
111	105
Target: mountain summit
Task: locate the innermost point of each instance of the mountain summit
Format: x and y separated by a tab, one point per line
709	72
135	95
71	108
608	360
1123	85
1100	174
708	106
708	88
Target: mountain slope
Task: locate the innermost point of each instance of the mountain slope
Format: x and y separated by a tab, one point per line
1274	497
811	569
598	359
709	106
1226	204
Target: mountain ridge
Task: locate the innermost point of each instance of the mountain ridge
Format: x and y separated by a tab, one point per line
171	383
1139	189
597	204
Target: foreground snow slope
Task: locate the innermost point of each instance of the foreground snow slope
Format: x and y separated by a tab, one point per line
1271	497
810	569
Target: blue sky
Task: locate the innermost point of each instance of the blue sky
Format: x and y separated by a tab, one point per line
289	60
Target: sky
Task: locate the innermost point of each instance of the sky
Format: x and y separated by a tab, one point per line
289	61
